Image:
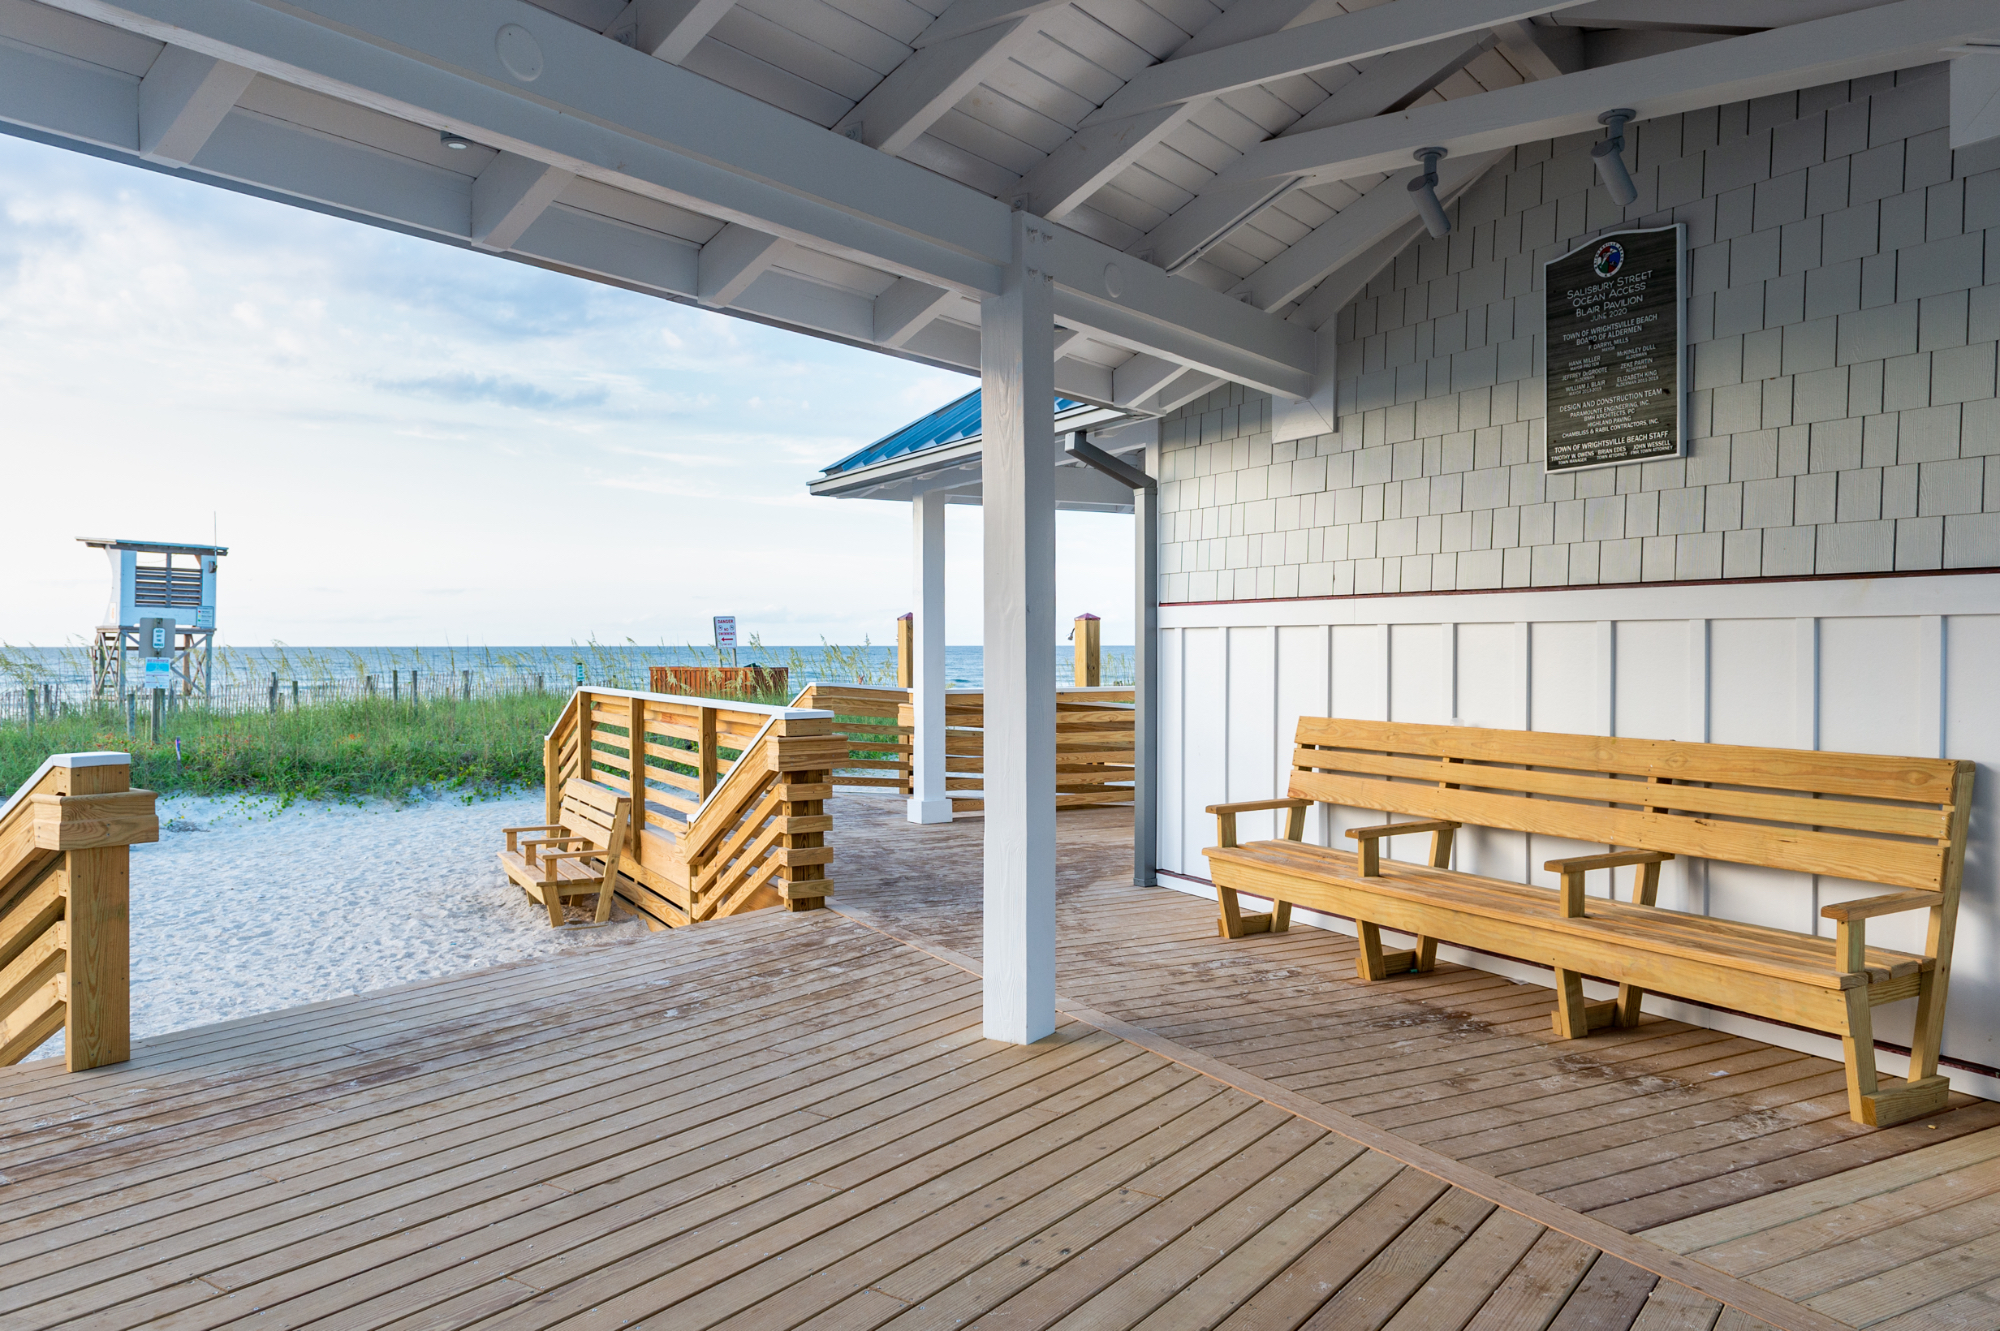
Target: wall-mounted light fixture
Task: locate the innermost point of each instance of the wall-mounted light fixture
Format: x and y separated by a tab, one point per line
451	140
1609	154
1424	194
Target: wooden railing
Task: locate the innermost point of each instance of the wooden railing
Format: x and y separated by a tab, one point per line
65	956
876	725
728	798
1094	742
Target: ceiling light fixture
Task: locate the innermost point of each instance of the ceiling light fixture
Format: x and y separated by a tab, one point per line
455	141
1424	194
1609	154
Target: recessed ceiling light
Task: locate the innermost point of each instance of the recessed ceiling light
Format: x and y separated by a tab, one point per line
451	140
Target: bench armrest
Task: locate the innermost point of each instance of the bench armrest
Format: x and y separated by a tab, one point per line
1225	817
528	847
1869	907
1645	883
1371	850
512	832
1585	863
1398	829
1851	923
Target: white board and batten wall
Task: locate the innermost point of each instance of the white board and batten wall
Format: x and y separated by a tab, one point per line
1813	574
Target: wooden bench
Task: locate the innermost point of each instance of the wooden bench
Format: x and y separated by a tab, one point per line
1868	820
584	861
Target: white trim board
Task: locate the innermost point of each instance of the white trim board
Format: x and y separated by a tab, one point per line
1945	594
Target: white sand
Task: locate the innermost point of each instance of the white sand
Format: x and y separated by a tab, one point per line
242	907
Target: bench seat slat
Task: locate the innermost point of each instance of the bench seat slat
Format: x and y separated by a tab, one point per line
1894	819
1778	953
1864	859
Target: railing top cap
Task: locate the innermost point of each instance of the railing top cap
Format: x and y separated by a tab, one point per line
725	704
100	758
103	758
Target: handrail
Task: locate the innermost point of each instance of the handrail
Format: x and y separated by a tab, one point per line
65	954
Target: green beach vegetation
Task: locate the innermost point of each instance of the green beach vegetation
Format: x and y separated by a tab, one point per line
347	750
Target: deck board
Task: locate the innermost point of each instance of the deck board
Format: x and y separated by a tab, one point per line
780	1121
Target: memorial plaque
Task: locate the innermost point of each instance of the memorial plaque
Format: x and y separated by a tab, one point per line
1613	350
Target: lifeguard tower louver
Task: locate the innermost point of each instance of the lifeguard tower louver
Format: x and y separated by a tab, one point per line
156	580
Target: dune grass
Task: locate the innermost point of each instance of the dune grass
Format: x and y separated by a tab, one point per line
337	751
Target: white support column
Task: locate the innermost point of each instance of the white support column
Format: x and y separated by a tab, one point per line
1017	363
929	801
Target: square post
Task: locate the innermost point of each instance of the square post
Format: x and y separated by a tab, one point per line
929	801
1017	369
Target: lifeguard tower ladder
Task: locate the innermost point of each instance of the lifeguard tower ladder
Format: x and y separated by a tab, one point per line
157	580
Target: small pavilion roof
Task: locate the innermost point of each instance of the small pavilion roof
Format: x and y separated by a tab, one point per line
943	450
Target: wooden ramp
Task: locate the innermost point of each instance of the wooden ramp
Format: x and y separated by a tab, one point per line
774	1121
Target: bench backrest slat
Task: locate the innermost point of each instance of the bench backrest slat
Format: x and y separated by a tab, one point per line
1891	819
589	810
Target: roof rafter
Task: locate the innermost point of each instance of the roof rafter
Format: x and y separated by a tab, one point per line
1391	81
599	109
1871	41
183	97
1340	40
667	29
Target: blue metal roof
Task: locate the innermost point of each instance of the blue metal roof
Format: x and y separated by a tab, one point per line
947	425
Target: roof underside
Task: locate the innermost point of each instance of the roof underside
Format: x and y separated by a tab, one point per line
1224	175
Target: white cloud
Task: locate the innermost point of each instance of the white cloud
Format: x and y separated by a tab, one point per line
368	416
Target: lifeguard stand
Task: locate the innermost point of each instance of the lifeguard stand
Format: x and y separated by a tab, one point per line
157	580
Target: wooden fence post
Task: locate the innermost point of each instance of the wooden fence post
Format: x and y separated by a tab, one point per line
906	650
707	761
635	734
1089	652
98	887
803	793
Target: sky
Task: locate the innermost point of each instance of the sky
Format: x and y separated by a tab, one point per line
406	443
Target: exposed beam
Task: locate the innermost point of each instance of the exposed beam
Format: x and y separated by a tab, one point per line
917	93
667	29
183	97
1975	98
1093	156
1542	53
1088	160
640	124
1390	82
902	311
1340	40
1872	41
1241	22
509	195
733	258
1346	282
965	16
1706	15
1179	391
1382	211
1141	377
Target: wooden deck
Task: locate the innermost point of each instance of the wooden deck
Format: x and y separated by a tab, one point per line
780	1121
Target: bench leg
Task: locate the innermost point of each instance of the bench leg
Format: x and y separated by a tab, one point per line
1867	1102
1571	1019
1232	921
552	898
1374	962
1630	996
